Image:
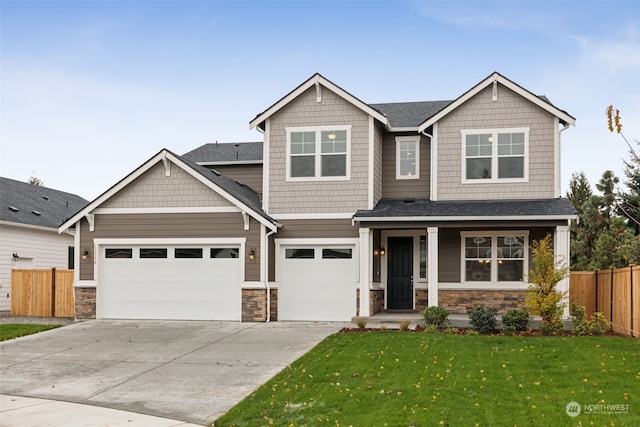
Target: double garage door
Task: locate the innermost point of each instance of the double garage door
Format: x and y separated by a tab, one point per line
183	282
317	282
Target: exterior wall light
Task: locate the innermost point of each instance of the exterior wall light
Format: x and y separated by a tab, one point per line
252	254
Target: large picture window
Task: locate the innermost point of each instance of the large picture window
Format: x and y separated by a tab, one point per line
495	154
318	153
494	257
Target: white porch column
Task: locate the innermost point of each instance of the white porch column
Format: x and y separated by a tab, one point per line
366	237
561	246
432	264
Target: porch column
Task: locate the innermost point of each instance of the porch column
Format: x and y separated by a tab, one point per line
561	246
365	270
432	265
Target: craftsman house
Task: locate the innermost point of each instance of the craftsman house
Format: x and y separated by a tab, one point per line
345	208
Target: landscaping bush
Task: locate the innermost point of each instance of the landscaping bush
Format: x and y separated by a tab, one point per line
435	316
597	325
483	318
516	319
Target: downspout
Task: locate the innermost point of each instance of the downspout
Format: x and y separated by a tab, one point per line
266	274
558	158
432	172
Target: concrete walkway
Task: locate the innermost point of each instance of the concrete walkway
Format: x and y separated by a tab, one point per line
176	370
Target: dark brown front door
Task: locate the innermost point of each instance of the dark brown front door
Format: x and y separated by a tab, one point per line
400	273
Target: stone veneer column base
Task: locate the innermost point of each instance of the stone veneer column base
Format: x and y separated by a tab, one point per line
459	301
85	303
422	299
254	305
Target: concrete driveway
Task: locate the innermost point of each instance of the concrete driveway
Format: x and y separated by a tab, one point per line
189	371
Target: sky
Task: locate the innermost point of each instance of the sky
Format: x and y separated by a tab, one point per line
92	89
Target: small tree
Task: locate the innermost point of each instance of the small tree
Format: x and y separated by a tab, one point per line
542	297
34	180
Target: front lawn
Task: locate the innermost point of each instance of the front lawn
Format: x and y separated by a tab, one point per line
391	378
15	330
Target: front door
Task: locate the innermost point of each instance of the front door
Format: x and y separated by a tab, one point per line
400	273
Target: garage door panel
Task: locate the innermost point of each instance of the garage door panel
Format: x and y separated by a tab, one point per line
316	289
170	288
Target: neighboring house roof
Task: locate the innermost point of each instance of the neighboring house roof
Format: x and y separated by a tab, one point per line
426	210
226	153
318	81
238	194
33	205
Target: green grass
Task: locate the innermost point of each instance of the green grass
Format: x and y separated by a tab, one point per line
390	378
14	330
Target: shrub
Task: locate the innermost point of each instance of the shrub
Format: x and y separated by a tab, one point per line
361	322
599	324
542	297
580	323
453	331
404	325
430	329
509	330
483	318
516	319
472	332
435	316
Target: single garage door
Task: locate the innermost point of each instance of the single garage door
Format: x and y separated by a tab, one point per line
317	282
182	282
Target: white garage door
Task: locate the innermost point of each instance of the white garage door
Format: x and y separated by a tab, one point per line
317	282
184	282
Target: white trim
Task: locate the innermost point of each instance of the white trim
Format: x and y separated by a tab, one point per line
466	218
365	262
432	265
340	215
416	141
434	163
266	155
317	78
76	255
165	210
263	251
172	241
88	210
29	226
318	153
484	286
85	284
494	250
90	217
252	285
371	166
561	244
505	82
495	156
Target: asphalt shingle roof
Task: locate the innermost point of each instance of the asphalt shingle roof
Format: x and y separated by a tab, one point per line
409	114
19	200
389	208
226	152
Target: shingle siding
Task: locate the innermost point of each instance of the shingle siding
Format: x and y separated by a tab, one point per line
510	111
318	196
155	190
377	165
393	188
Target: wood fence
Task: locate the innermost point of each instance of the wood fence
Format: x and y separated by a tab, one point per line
615	293
42	293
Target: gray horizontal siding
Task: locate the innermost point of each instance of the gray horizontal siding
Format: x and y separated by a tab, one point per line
249	175
393	188
200	225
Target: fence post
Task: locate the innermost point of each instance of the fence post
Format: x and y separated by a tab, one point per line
53	292
595	309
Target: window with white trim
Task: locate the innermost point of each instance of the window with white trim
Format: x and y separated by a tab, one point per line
494	257
407	157
318	153
495	154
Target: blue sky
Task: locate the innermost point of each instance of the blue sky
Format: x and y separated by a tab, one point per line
92	89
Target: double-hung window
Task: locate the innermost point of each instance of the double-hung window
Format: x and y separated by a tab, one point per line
495	155
494	257
318	153
407	157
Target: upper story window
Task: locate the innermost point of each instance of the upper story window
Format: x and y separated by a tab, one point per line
495	155
407	157
318	153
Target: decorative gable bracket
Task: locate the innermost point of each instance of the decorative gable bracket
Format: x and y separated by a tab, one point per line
91	220
245	219
167	166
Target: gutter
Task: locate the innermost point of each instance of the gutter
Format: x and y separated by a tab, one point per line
266	274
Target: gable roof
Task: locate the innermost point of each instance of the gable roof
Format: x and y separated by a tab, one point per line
238	194
466	210
409	114
540	101
312	81
226	153
33	205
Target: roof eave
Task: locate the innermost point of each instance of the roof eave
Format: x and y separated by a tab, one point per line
465	218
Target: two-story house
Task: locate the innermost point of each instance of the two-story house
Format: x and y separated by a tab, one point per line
344	209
